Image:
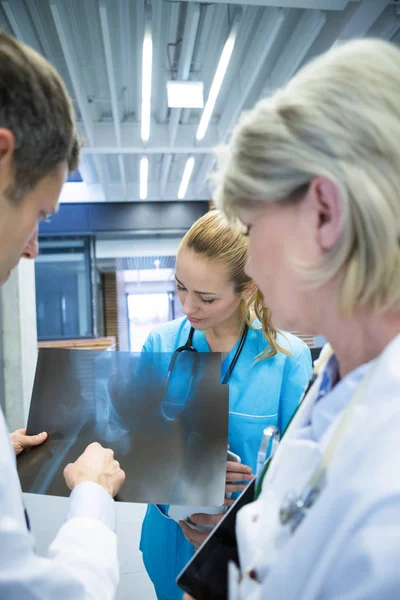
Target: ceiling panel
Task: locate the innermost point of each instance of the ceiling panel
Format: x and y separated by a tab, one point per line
97	47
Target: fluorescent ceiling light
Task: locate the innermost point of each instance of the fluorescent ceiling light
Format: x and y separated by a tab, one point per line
216	84
185	94
187	173
146	85
144	173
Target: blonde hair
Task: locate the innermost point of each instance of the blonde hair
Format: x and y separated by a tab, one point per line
214	238
339	117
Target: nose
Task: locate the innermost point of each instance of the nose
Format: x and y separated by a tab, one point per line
190	306
31	250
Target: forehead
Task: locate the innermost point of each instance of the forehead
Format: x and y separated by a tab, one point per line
199	273
46	192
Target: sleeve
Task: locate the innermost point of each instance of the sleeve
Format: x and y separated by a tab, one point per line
149	345
295	380
82	561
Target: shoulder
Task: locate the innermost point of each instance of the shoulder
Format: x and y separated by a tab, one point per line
166	337
286	340
293	344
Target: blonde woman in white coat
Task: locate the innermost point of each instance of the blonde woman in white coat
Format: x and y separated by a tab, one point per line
313	172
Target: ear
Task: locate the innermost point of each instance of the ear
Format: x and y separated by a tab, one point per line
251	288
7	145
327	210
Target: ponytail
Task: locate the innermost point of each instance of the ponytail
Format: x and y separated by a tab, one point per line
255	308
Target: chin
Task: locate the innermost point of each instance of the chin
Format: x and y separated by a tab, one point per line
198	326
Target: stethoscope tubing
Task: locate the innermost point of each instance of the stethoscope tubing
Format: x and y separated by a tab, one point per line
188	347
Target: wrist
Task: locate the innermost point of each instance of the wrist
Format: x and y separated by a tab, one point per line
92	480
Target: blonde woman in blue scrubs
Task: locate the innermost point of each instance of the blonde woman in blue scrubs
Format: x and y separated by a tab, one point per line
223	306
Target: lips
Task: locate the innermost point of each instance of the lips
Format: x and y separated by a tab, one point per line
192	320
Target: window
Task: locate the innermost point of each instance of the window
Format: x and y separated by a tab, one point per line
63	289
145	311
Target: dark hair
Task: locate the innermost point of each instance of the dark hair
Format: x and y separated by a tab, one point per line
36	108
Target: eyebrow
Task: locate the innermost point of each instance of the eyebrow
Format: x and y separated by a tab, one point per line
196	291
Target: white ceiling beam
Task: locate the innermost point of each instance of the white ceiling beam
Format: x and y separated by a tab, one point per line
300	42
139	7
390	26
265	30
265	36
171	36
363	18
159	86
104	135
96	150
216	39
20	22
171	32
204	172
207	15
247	25
105	28
189	39
186	55
304	35
165	169
59	17
330	33
126	44
42	32
313	4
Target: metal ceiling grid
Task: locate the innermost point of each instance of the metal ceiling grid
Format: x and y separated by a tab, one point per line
133	263
97	47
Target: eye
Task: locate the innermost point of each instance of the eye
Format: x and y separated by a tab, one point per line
207	301
180	288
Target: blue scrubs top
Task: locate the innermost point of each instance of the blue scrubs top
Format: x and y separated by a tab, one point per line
260	394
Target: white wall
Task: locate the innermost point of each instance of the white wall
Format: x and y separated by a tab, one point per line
19	342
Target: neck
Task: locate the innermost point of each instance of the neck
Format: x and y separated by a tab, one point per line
224	336
361	338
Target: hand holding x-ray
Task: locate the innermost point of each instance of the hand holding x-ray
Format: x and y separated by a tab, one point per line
168	433
96	464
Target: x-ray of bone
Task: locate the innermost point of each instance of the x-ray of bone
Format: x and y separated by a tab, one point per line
168	428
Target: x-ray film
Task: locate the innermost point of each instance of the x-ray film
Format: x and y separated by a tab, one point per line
168	428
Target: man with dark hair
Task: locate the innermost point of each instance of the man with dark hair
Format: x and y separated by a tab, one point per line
38	147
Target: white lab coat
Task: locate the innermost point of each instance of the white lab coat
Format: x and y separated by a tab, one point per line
348	545
82	562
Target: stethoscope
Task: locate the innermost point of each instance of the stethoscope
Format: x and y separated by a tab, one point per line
175	397
188	347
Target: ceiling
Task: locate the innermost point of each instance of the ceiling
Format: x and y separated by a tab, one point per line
97	45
